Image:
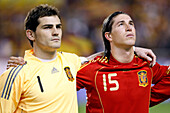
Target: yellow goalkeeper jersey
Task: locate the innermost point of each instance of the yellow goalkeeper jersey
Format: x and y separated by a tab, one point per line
41	87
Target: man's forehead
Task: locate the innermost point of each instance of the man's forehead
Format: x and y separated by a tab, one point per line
122	17
49	20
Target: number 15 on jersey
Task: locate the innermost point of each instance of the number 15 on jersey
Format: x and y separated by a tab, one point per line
110	81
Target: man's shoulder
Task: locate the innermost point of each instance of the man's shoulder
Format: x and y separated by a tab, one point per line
96	63
13	72
69	58
139	60
66	54
100	60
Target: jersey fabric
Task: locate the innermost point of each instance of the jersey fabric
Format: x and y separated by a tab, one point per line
114	87
160	91
41	87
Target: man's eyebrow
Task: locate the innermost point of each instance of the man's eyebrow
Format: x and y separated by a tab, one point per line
120	21
51	25
59	25
124	21
45	25
131	21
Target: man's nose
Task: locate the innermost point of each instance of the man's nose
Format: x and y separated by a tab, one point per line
128	27
55	31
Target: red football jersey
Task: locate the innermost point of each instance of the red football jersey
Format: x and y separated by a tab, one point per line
114	87
161	91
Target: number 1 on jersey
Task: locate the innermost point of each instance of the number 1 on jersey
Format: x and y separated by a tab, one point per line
110	75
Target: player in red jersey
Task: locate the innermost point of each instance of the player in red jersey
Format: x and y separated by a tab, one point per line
119	81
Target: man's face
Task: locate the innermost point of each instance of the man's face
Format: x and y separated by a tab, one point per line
48	33
123	31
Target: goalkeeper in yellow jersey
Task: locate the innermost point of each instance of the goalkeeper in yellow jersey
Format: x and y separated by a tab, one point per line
47	82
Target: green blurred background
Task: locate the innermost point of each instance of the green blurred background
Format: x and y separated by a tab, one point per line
82	20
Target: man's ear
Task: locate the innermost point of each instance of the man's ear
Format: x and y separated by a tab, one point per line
108	36
30	34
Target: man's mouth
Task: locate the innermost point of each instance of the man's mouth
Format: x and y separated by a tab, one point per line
130	35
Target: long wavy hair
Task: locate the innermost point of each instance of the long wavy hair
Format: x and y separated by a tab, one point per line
107	27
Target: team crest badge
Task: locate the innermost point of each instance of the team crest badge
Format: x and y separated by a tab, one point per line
68	73
142	76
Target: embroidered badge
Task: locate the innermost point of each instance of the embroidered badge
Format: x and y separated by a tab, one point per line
142	76
68	73
54	70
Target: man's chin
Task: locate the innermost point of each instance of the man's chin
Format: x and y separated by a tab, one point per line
56	47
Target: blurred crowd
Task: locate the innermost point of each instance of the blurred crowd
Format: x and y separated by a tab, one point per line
82	23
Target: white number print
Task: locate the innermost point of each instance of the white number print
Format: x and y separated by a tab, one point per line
110	82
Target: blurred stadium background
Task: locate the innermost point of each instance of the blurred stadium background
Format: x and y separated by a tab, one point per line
82	20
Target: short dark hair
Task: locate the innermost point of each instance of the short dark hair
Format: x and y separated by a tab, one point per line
31	20
107	27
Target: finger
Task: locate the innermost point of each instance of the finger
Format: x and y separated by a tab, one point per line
149	58
13	58
13	62
7	67
17	59
11	65
145	56
154	61
21	60
153	56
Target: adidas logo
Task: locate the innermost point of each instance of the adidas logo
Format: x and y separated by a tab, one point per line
54	70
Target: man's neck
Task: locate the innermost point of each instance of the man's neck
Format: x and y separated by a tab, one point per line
44	54
123	55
